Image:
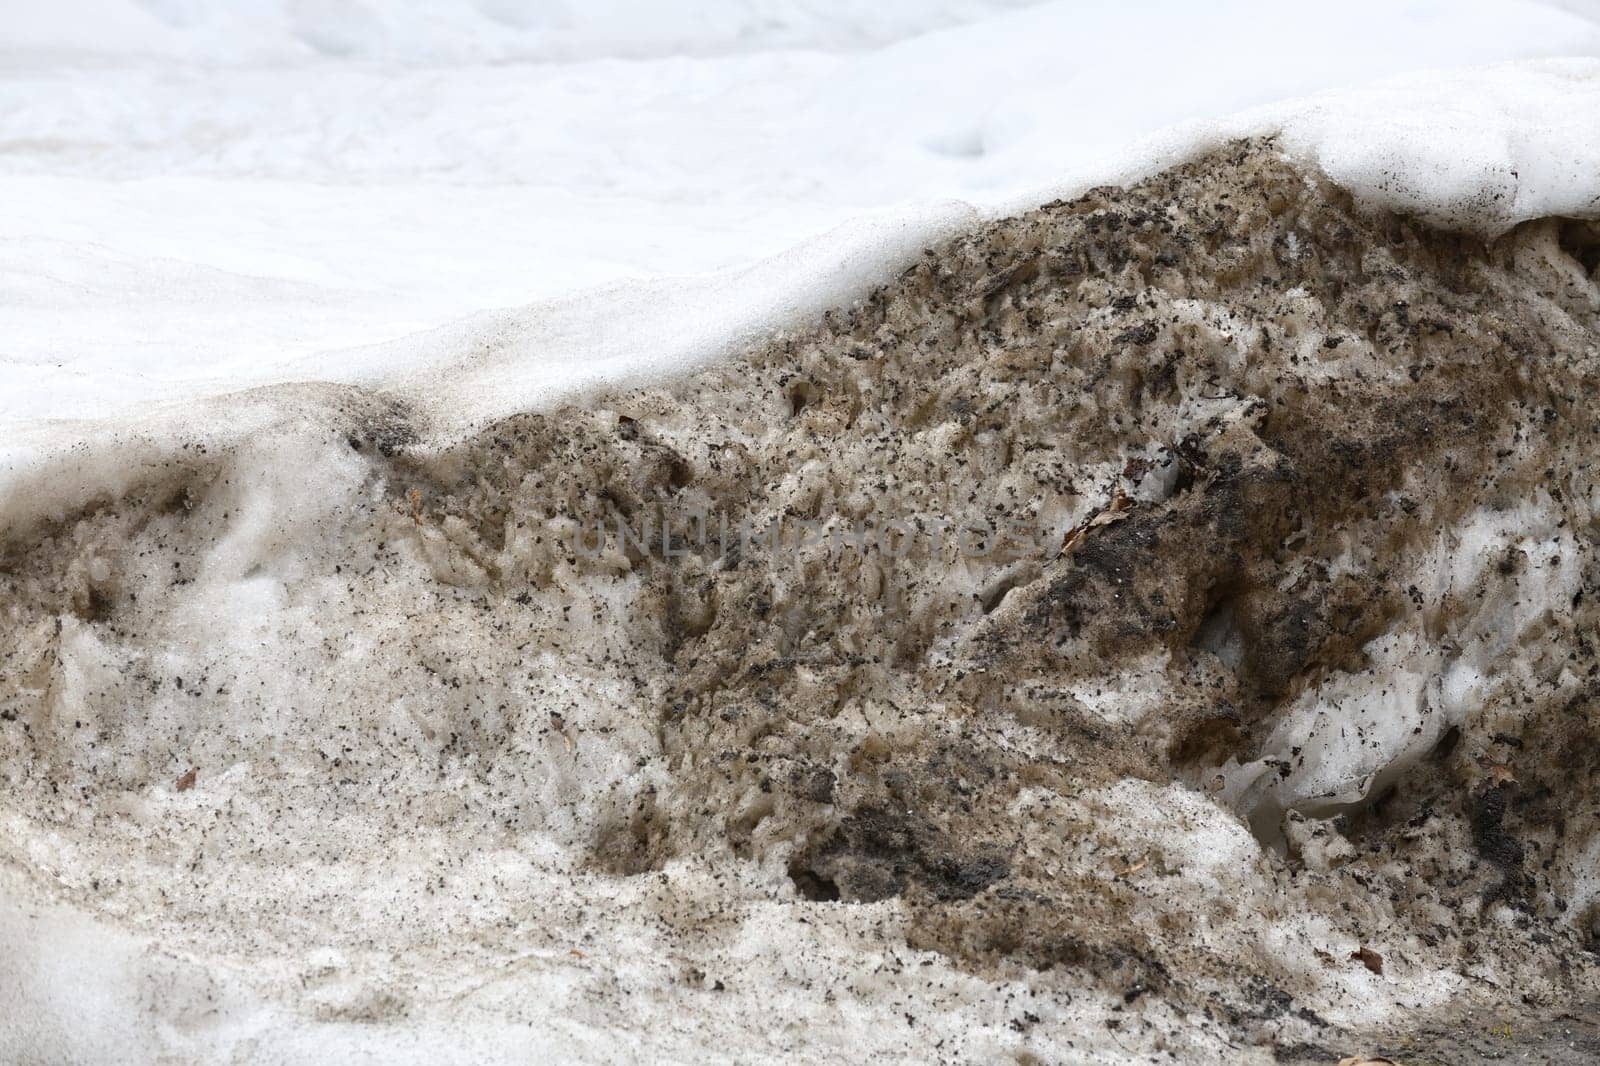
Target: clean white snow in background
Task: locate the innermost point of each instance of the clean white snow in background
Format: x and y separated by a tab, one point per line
196	197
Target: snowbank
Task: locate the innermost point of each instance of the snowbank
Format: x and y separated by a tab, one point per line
381	737
325	711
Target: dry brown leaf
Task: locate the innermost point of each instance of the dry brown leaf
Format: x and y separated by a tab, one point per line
1105	518
1115	511
1368	958
1071	542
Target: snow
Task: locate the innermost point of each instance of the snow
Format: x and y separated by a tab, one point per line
484	207
1359	732
1480	151
470	31
196	198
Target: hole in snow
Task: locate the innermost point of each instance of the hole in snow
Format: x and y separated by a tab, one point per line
1581	240
801	395
813	886
1219	633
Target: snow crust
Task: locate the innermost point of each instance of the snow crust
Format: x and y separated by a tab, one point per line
1477	152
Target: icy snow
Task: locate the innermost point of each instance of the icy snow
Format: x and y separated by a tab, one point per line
1357	733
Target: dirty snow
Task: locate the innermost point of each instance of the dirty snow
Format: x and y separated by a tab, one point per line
483	208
